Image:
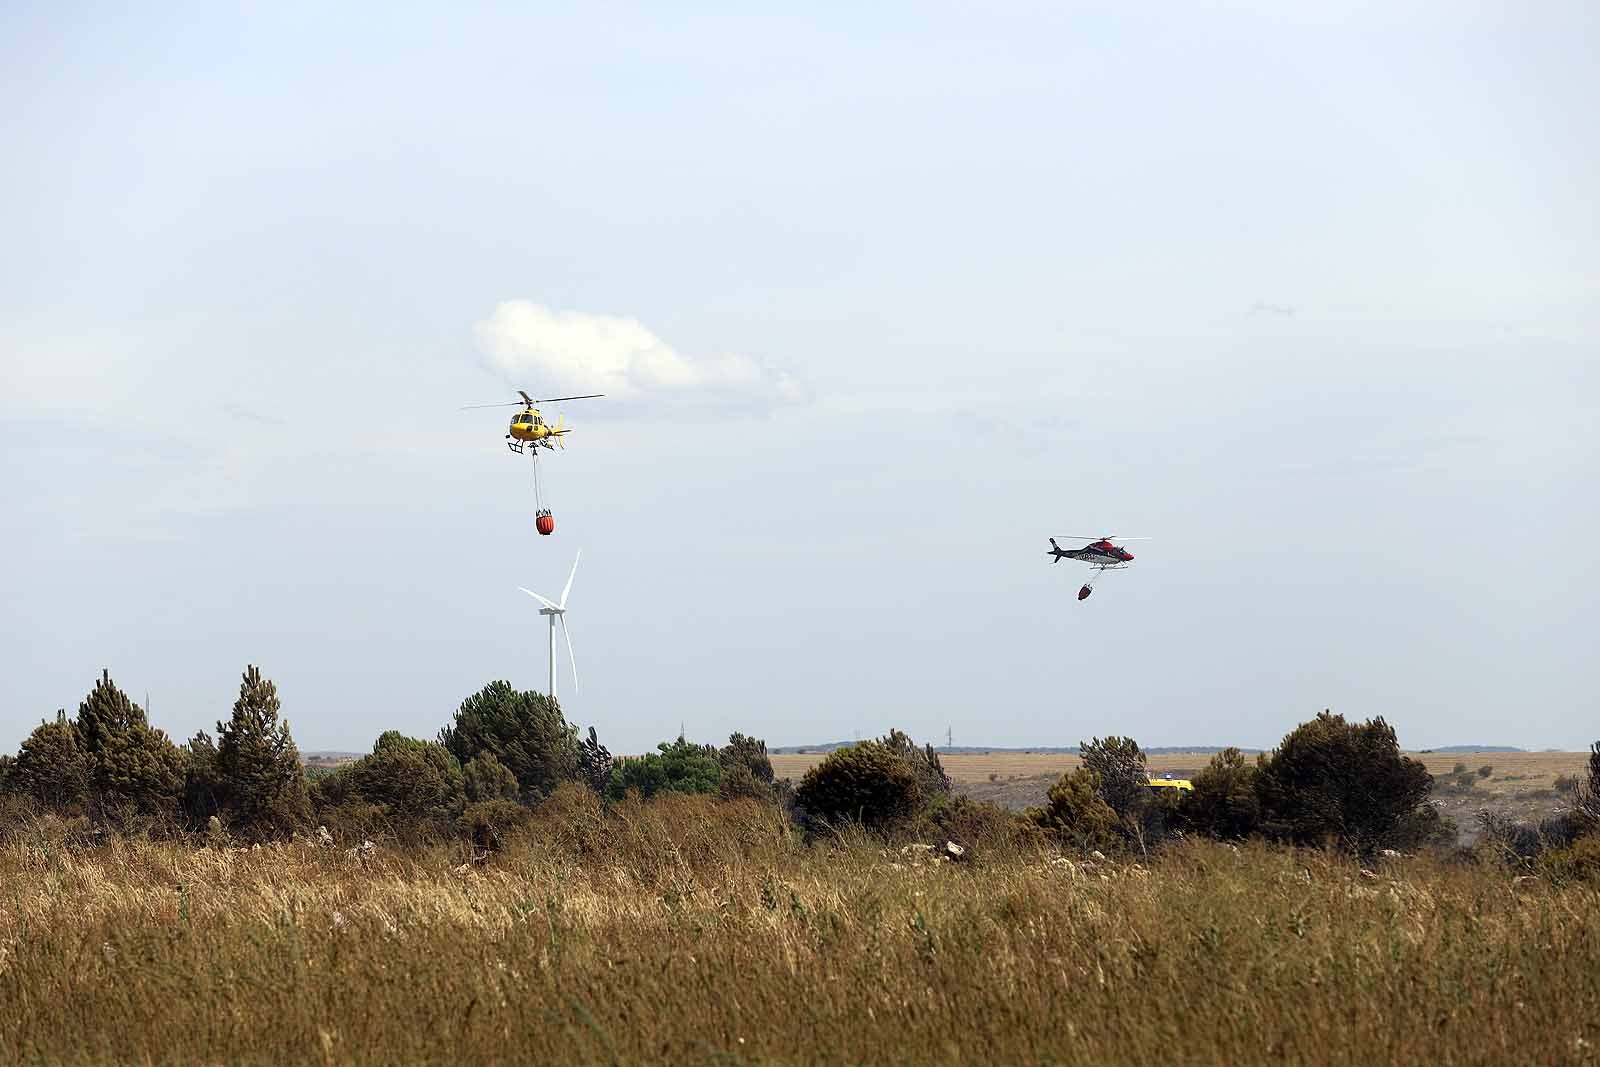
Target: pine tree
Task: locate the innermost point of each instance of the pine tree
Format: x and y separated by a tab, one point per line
1075	814
262	785
202	785
132	766
1344	782
51	766
1223	802
525	731
106	711
594	763
868	783
748	752
486	778
924	763
419	785
1124	781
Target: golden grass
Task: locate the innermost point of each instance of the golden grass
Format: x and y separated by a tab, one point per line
696	932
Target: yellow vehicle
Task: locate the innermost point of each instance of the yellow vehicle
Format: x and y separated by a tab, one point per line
1181	785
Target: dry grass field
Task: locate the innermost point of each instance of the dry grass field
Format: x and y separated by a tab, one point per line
693	931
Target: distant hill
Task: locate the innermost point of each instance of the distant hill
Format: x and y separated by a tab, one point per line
1474	748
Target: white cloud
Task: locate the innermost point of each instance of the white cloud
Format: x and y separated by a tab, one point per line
544	350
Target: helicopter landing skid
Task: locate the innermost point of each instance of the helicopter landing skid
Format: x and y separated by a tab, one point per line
515	446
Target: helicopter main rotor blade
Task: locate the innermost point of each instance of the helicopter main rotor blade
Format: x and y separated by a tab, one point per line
528	401
1106	537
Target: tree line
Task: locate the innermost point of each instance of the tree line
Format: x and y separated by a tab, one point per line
1329	782
503	752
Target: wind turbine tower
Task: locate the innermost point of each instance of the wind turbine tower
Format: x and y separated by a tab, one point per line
555	611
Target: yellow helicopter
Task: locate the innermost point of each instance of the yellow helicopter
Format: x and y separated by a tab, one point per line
528	427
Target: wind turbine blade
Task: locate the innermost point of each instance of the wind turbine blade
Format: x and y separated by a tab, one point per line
572	656
568	587
540	599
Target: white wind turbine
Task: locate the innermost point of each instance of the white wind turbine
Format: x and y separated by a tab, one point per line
559	611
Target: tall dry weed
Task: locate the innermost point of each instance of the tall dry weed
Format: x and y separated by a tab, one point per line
687	930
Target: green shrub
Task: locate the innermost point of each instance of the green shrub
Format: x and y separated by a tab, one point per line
1485	771
489	823
485	778
416	786
975	825
738	781
1424	826
1586	798
52	767
749	753
923	762
202	784
868	783
525	731
1578	862
353	821
1075	814
1118	763
1223	803
678	767
1331	781
594	763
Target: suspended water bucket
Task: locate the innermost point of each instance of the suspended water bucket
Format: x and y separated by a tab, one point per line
545	523
1083	594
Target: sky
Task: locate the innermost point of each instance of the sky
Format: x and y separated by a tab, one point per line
1309	295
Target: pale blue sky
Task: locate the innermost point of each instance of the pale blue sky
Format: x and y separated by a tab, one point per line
1007	262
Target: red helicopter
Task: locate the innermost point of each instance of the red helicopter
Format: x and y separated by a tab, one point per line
1099	553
